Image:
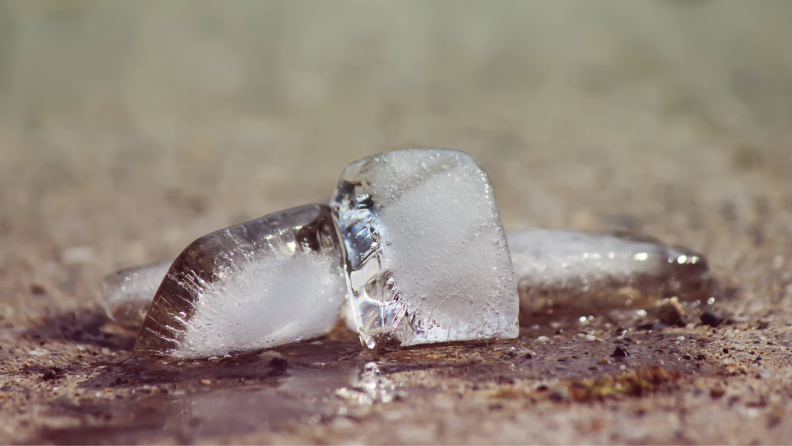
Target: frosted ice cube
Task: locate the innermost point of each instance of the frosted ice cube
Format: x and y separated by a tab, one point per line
127	294
267	282
580	271
425	252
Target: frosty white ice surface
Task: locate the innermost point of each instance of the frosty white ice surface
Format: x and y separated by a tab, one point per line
127	294
425	252
267	282
580	271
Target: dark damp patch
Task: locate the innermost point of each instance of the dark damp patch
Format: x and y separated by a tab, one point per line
83	326
148	399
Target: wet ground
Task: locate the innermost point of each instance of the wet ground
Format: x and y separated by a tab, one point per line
608	377
127	130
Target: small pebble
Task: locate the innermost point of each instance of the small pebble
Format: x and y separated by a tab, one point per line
604	361
559	394
620	352
50	374
206	382
670	312
270	355
710	318
651	326
717	392
278	364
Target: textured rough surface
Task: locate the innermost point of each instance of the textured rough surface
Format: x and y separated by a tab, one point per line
587	271
426	255
129	129
127	294
266	282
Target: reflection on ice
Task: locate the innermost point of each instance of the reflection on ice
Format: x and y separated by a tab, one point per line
566	270
267	282
426	259
127	294
584	271
370	385
414	244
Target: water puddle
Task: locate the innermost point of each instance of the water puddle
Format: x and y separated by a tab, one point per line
148	399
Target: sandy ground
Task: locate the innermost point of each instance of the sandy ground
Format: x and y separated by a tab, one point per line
129	129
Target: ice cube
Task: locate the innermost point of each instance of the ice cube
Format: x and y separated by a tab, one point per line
128	293
587	271
267	282
426	258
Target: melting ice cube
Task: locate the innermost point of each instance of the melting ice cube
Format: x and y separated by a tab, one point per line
128	293
267	282
580	271
423	259
426	258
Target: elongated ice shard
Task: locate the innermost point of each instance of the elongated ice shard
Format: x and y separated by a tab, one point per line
267	282
426	259
579	272
588	271
127	294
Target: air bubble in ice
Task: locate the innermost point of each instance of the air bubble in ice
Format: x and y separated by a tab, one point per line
417	227
423	259
127	294
267	282
577	271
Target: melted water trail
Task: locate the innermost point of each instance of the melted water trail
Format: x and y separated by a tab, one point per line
165	400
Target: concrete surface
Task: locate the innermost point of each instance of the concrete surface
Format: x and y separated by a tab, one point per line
128	129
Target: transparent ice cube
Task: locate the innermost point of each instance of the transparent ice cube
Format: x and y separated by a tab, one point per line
426	258
267	282
127	294
577	271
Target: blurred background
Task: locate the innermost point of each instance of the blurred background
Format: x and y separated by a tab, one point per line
128	129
